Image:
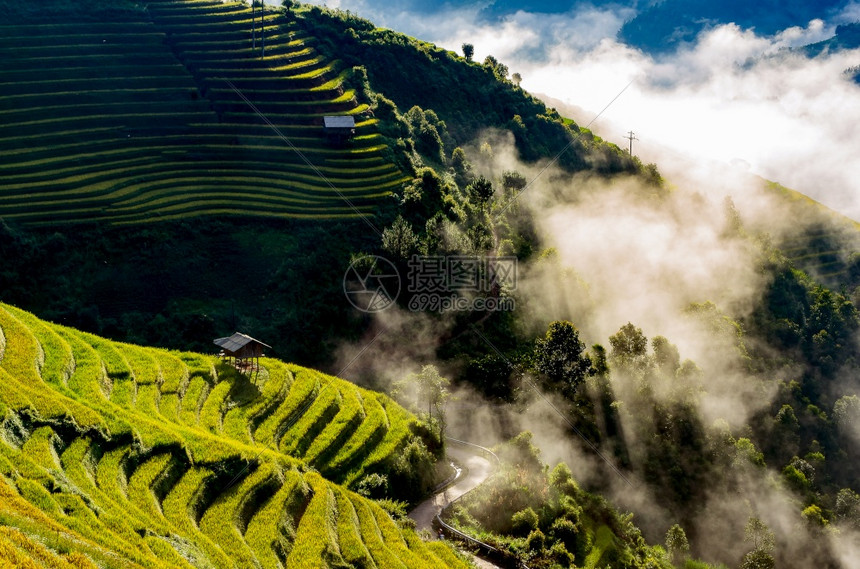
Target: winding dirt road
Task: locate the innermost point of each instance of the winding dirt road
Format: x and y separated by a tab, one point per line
472	469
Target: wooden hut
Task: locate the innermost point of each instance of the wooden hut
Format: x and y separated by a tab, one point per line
243	350
339	128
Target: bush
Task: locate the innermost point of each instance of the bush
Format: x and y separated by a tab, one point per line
373	486
412	472
567	532
795	478
536	541
524	522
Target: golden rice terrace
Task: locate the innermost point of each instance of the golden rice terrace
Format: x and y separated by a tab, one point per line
177	109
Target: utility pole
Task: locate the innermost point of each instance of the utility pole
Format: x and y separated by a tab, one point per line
631	136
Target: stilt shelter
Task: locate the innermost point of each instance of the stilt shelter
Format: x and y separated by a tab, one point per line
243	351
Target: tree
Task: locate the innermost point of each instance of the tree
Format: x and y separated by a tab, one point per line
517	79
524	522
480	190
461	168
666	355
629	345
560	355
425	131
598	359
513	181
814	516
424	197
499	69
847	508
758	559
757	532
677	544
468	51
536	541
429	386
399	239
846	412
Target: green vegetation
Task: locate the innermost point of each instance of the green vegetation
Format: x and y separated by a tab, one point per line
141	489
638	403
545	519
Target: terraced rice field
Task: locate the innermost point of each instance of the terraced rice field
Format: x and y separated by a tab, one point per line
113	455
139	120
828	255
826	244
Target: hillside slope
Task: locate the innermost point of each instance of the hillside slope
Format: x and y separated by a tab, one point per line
123	456
827	248
152	113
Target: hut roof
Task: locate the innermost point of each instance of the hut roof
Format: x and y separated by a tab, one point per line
339	121
237	341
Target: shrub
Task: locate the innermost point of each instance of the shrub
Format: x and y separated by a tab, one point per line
536	541
524	522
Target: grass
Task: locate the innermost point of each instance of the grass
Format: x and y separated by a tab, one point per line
352	548
312	422
603	540
17	550
316	539
177	508
372	428
330	440
140	488
57	366
400	425
40	448
220	522
21	358
395	539
304	390
173	371
372	537
197	391
267	532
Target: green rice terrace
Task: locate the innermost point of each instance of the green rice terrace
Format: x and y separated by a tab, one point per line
116	455
155	114
827	249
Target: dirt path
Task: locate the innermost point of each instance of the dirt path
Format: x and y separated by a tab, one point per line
472	470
